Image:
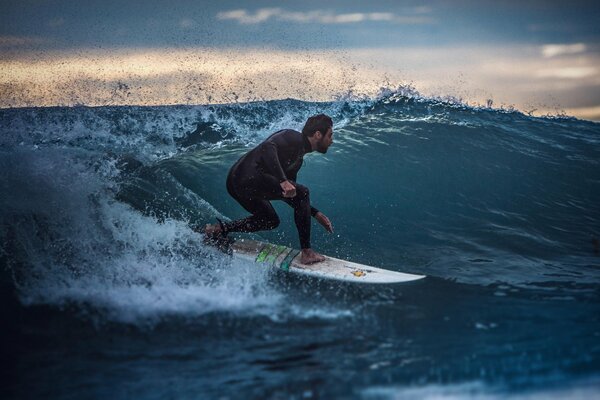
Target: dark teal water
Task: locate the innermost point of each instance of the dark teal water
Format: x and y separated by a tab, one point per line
106	291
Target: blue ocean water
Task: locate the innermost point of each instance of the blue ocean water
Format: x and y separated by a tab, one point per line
106	291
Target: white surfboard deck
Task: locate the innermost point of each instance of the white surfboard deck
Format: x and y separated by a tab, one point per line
288	259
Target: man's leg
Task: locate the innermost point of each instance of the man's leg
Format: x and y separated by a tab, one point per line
256	201
263	217
301	205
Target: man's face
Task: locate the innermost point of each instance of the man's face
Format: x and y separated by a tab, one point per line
325	141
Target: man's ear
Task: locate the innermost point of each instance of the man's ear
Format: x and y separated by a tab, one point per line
320	135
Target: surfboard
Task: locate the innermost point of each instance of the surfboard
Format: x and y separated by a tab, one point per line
288	259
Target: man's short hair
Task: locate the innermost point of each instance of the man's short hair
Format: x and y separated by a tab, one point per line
319	122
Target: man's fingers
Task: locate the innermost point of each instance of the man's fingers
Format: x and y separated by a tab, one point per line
289	193
289	190
327	224
323	220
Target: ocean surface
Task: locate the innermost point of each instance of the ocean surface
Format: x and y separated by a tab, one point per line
106	292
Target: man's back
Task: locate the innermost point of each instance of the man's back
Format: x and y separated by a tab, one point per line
280	155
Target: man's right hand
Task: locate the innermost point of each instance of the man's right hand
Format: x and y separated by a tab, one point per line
289	190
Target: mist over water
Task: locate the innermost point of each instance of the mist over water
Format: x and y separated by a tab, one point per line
501	210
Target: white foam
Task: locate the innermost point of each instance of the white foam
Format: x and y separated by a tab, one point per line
72	244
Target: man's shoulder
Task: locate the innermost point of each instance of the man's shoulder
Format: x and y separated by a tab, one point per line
287	135
288	132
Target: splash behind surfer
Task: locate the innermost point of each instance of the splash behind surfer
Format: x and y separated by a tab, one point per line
268	172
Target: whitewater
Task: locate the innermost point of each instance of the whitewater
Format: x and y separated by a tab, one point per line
106	290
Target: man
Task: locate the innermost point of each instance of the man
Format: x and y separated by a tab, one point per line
268	172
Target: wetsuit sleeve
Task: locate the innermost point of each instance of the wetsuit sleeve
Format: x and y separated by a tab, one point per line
293	172
271	160
293	175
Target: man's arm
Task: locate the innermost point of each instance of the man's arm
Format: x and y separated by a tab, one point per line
270	160
293	174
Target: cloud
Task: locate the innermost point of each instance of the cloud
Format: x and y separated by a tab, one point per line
320	16
567	73
19	41
553	50
592	112
186	23
243	17
510	75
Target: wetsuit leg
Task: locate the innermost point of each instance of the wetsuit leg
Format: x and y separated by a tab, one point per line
263	215
301	205
255	196
263	218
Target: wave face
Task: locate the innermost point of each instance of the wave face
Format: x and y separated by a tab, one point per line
500	209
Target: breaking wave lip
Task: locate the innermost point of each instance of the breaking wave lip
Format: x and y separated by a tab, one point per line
155	132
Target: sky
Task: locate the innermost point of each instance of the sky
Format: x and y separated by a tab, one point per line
537	56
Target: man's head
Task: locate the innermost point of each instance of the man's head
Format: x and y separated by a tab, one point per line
319	131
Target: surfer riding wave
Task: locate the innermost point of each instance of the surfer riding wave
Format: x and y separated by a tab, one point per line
268	172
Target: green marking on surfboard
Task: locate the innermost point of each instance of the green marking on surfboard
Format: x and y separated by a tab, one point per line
264	252
287	252
285	264
276	252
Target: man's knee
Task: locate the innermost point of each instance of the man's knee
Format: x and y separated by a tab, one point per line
272	221
302	192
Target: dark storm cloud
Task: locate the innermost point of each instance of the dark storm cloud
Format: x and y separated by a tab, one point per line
311	24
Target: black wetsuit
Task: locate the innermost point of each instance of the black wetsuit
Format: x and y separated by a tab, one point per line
255	179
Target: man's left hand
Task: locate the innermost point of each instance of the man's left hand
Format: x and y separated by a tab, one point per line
323	220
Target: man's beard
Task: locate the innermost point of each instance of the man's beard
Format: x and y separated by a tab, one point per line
321	148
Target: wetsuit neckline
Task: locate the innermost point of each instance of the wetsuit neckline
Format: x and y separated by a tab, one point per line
307	146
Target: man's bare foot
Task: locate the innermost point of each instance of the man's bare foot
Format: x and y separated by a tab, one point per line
212	230
309	256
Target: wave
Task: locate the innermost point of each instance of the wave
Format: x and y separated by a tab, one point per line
96	202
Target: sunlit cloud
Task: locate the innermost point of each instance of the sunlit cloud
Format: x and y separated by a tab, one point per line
592	113
262	15
516	76
568	73
553	50
243	17
174	76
